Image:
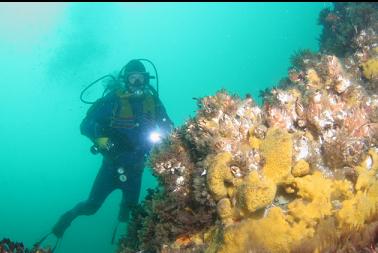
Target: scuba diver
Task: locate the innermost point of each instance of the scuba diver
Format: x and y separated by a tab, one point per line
123	125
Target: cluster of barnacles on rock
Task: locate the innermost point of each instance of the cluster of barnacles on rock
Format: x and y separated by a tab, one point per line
328	104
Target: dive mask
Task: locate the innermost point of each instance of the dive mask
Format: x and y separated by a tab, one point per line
136	79
136	83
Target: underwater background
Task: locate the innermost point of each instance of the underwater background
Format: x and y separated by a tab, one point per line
49	52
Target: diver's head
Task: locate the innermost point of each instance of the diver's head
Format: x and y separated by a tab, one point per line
135	77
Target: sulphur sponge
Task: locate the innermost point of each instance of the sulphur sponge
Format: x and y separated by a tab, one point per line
277	149
301	168
271	234
219	176
257	192
225	211
370	68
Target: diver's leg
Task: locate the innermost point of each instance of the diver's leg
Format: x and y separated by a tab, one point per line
130	190
102	187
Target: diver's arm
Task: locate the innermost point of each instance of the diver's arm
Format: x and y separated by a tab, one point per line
163	120
96	122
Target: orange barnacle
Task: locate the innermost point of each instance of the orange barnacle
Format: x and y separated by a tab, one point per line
183	240
294	76
331	17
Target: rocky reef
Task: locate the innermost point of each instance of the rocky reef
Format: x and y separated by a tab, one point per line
298	174
9	246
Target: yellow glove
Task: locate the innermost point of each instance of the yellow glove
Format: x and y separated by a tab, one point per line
102	142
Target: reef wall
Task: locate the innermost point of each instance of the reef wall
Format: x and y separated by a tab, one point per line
298	174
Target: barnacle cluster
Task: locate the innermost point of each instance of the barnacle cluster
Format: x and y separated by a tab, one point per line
298	174
9	246
343	23
350	32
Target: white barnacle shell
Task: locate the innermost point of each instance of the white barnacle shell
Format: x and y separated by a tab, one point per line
267	209
336	204
178	167
240	112
340	115
327	119
301	123
168	164
317	97
329	134
180	180
181	169
342	84
178	188
369	162
284	97
281	200
236	171
253	167
160	167
228	147
302	149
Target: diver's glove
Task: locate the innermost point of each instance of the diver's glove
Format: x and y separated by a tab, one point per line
102	144
166	130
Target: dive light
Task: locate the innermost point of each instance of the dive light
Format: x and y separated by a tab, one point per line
155	136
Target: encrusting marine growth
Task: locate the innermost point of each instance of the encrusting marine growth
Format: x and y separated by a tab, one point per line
298	174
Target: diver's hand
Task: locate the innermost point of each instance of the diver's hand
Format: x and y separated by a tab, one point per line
165	132
103	143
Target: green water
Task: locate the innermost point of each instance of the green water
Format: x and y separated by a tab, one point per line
50	52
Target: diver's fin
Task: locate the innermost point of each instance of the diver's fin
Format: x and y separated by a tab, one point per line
38	243
114	233
56	245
